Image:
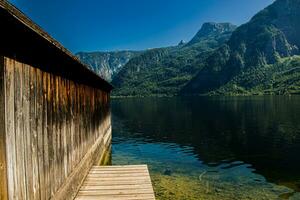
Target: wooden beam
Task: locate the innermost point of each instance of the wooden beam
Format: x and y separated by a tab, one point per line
45	52
3	164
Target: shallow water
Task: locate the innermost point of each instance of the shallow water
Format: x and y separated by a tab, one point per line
212	148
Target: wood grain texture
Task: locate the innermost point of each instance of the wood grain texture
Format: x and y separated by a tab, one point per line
10	128
117	183
26	129
51	125
70	188
20	165
3	148
54	109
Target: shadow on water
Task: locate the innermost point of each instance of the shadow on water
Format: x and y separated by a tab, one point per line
232	144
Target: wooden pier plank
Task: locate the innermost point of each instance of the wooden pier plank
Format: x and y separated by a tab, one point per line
117	183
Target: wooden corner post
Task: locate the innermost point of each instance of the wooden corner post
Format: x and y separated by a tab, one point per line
3	165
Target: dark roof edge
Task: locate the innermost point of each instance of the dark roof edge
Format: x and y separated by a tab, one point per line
20	16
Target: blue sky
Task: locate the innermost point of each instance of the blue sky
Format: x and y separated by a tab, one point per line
104	25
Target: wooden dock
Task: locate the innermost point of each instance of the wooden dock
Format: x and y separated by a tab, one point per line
131	182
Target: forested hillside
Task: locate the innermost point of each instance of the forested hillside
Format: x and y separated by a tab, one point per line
164	71
256	56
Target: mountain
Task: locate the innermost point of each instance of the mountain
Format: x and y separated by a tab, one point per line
106	64
221	31
258	58
164	71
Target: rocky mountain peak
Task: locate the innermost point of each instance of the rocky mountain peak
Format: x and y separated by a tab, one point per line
182	42
212	29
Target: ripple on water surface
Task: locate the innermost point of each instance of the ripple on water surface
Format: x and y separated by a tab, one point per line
208	148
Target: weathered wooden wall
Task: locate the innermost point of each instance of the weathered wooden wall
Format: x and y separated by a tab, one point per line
51	125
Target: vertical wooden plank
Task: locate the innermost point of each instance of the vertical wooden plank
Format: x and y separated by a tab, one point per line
61	122
58	135
97	108
61	136
34	134
71	126
77	130
3	148
40	136
73	123
88	120
50	133
22	125
21	181
68	126
58	131
78	123
87	105
81	120
96	116
73	133
54	134
93	115
89	112
10	127
65	105
47	185
100	114
27	131
64	122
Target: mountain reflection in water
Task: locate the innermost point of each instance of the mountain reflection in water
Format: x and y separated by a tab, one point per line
212	147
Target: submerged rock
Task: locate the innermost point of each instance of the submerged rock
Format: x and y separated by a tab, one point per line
168	172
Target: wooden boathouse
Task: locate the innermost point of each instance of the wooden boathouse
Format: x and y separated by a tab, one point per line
55	118
55	122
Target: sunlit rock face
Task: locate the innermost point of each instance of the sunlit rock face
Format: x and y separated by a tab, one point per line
106	64
272	34
212	29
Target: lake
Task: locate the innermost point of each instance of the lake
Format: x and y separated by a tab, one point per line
212	147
